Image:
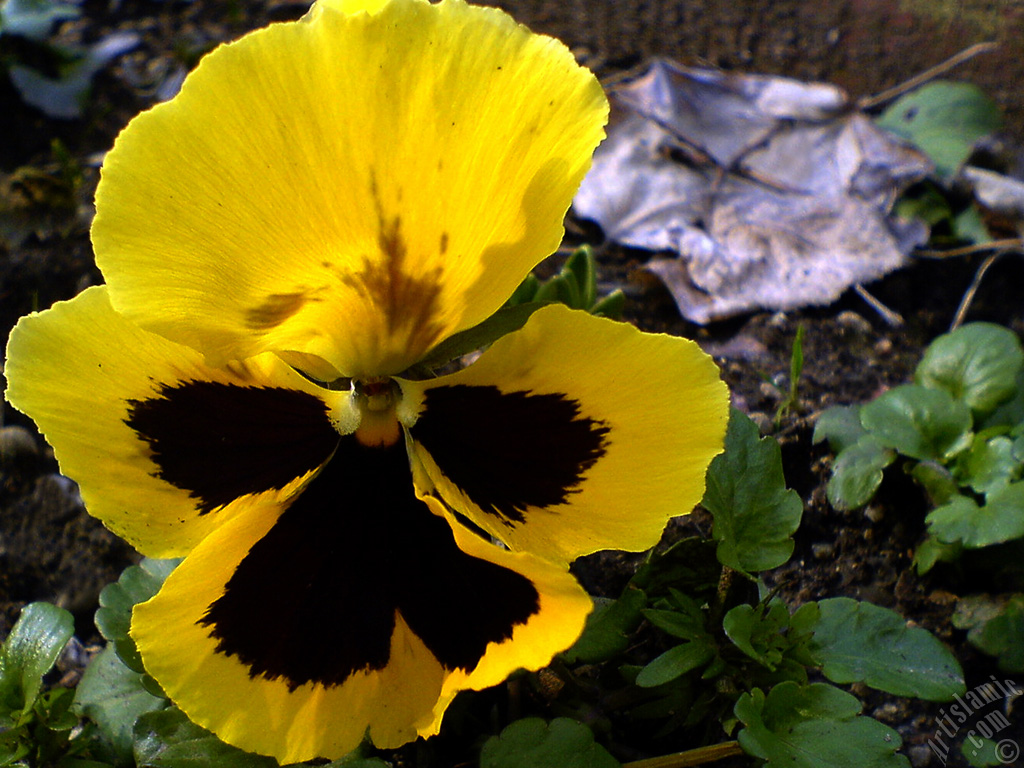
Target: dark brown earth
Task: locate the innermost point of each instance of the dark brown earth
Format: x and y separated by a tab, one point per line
51	550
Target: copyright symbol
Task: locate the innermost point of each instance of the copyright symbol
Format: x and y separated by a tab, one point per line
1007	751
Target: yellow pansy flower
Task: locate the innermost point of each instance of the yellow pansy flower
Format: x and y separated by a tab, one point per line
323	203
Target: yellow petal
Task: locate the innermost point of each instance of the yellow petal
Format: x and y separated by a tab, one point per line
572	435
354	611
350	187
164	448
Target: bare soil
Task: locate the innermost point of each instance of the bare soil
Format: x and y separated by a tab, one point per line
50	549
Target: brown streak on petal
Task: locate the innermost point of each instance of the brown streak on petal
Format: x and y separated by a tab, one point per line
410	303
274	310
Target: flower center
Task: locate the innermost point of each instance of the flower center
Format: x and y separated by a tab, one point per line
375	399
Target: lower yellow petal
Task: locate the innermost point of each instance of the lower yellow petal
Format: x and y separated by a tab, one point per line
356	610
571	435
263	715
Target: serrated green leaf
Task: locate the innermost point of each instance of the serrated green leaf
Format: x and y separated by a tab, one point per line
919	422
113	696
989	465
840	425
30	651
976	364
932	551
860	642
857	472
755	515
168	739
608	627
999	519
943	119
136	584
814	726
676	662
532	743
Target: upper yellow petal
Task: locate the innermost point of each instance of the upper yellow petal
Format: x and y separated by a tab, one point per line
353	187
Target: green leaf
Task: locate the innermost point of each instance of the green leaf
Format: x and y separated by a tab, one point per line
502	322
686	620
989	465
1000	633
980	752
581	265
610	306
532	743
676	662
114	697
857	472
814	726
689	565
760	634
918	422
865	643
932	551
168	739
755	515
840	425
607	631
969	226
30	651
999	519
937	481
136	584
943	119
1010	413
977	364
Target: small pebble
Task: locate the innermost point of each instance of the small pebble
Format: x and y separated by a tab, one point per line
873	513
852	321
920	756
822	550
883	346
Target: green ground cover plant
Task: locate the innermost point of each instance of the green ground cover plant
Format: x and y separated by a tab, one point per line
958	431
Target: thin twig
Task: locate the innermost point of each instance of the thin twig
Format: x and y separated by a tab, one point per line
891	317
1007	244
968	297
868	102
691	757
